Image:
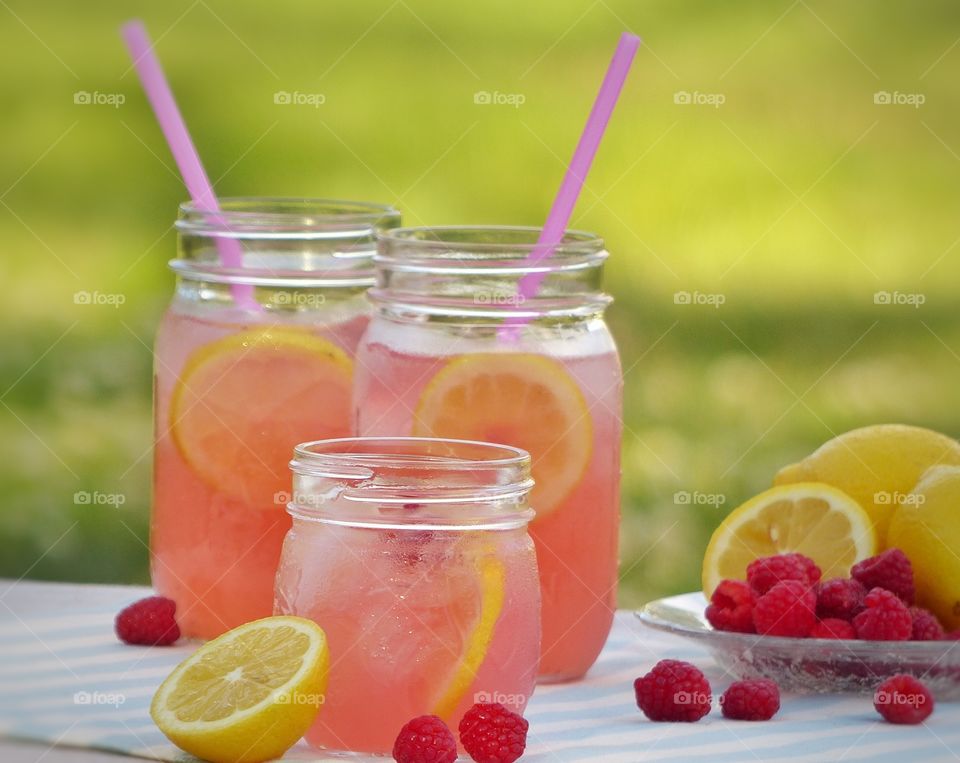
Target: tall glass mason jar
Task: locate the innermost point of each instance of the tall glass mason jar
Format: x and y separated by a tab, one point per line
413	555
249	361
453	350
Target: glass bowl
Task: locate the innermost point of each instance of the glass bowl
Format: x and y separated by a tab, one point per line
809	665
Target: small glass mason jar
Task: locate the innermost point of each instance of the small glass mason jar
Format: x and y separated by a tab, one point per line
249	361
413	555
455	349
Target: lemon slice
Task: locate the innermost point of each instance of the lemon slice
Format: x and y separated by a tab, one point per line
492	578
519	399
248	695
244	401
811	518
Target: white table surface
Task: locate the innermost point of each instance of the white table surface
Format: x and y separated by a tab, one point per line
593	720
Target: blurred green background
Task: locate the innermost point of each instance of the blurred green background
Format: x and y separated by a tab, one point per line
796	199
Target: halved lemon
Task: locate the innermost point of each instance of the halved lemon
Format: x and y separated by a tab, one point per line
811	518
248	695
519	399
244	401
492	579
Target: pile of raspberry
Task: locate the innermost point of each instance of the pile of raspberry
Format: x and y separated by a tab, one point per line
675	690
783	595
679	691
489	732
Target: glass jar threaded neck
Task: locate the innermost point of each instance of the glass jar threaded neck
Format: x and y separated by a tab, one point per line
483	274
293	242
411	483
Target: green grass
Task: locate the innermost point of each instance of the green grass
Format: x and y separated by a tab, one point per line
797	200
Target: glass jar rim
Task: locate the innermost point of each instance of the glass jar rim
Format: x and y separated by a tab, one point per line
423	478
487	242
410	260
285	217
329	242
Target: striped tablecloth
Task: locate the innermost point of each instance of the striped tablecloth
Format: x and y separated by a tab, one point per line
65	680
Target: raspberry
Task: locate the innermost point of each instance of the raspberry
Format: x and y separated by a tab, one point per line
673	691
886	618
840	598
832	627
491	733
763	574
891	570
787	609
148	622
731	607
926	626
425	739
754	700
903	699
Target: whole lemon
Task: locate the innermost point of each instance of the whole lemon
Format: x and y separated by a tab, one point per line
926	527
877	466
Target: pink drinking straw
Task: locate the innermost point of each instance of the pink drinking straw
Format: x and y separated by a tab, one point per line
566	198
174	129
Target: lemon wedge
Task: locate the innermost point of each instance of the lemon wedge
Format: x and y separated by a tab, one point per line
248	695
810	518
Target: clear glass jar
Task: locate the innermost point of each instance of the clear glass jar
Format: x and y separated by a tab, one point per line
249	361
454	350
413	556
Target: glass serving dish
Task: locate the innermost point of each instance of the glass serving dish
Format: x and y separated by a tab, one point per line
809	665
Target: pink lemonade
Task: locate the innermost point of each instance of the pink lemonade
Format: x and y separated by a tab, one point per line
233	395
240	380
399	615
428	607
576	537
456	349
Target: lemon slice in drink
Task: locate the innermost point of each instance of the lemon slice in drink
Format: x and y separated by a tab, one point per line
519	399
248	695
492	578
811	518
243	402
